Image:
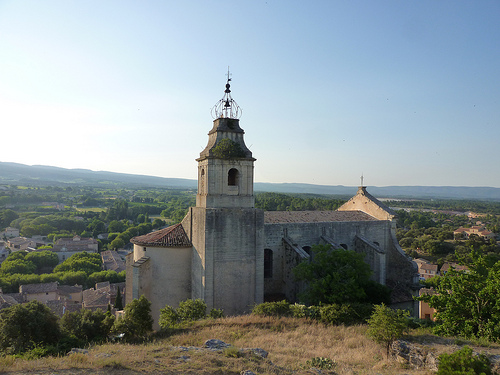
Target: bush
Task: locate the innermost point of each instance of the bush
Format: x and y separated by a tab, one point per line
321	363
216	313
463	362
190	309
347	314
281	308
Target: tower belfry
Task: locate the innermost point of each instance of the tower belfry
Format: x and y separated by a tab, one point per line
225	166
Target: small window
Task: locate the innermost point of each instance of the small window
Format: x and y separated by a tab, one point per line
232	177
307	249
344	246
268	263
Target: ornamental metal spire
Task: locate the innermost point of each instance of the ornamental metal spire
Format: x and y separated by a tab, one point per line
226	107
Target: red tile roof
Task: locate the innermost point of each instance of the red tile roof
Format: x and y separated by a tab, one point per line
173	236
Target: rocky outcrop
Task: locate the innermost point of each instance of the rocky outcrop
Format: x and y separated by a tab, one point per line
415	356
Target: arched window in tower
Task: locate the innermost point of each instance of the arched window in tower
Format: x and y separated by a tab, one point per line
268	263
232	177
202	181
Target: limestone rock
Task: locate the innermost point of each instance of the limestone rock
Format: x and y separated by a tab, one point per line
215	344
415	356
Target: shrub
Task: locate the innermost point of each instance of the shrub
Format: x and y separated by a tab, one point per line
463	362
190	310
347	314
281	308
321	363
168	317
216	313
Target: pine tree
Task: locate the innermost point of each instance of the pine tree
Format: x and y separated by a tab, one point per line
118	300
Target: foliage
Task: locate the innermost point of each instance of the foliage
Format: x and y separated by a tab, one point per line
86	262
118	300
281	308
347	314
228	149
336	276
296	202
463	362
17	266
137	322
467	303
87	325
24	326
321	363
43	259
387	325
216	313
188	311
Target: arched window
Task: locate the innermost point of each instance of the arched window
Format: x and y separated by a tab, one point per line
268	263
202	181
232	177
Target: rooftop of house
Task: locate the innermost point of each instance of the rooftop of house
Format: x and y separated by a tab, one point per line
38	288
276	217
112	261
173	236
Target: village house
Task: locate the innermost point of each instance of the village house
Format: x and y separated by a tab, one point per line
10	232
426	270
67	246
478	230
22	243
112	261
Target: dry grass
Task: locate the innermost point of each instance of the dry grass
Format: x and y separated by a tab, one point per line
290	343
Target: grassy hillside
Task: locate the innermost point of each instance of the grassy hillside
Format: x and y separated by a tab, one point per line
290	342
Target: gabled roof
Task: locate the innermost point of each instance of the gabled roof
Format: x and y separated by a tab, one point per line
38	288
173	236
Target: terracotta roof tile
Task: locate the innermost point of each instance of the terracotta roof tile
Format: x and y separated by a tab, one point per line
274	217
173	236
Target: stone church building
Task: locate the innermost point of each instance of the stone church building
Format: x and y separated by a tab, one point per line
233	255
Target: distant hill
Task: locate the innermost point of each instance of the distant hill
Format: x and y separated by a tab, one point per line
14	173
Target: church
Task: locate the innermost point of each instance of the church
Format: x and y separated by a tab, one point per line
233	255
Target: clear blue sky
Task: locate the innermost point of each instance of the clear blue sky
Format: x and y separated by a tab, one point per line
405	92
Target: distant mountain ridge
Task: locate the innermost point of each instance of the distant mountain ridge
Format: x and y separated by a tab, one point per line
14	173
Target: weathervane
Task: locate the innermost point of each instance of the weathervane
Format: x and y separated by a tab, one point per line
226	107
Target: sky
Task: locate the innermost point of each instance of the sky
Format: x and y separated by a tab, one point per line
401	92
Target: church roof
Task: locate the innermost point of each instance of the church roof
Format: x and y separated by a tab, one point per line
173	236
275	217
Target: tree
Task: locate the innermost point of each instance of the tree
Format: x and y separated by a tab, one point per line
87	262
387	325
24	326
43	259
117	243
91	326
137	321
464	362
467	302
335	276
118	300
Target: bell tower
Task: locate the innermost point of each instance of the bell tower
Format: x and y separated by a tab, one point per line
225	166
225	228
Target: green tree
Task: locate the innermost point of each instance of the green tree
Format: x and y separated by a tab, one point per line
387	325
467	302
137	321
17	266
43	259
117	243
87	262
336	276
25	326
118	300
91	326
